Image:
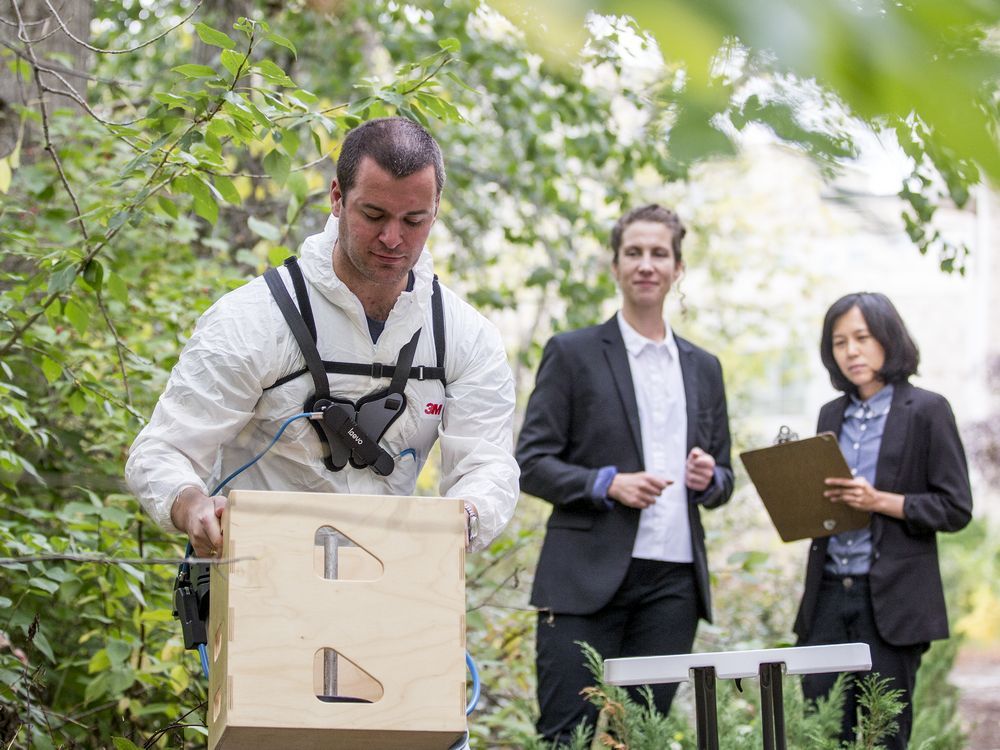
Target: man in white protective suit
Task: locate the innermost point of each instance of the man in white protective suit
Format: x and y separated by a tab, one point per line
381	332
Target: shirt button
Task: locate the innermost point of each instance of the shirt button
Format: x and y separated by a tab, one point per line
854	472
856	446
850	542
864	427
843	561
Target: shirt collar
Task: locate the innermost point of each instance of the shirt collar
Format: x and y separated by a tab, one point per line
876	406
635	342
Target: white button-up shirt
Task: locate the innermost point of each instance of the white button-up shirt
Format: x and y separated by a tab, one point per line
664	529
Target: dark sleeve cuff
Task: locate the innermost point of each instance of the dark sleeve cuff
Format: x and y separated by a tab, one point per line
714	488
602	483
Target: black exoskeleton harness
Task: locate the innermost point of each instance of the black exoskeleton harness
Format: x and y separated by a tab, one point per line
350	430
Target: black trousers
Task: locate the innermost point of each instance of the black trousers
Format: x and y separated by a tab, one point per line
844	615
655	611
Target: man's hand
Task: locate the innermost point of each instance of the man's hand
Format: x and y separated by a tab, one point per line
197	515
699	470
637	490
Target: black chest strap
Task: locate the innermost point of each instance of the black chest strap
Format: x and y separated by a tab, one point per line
350	431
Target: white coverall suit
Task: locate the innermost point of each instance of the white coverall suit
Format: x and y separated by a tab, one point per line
215	413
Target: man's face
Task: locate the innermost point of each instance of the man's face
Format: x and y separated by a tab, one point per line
646	267
384	223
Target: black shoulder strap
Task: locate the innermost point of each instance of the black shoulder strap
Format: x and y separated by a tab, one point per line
301	294
437	313
300	330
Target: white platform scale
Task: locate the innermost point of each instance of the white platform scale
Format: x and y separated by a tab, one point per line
768	664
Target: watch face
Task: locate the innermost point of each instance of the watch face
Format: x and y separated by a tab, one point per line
473	518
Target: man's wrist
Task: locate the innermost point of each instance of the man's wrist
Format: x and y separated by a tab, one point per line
184	499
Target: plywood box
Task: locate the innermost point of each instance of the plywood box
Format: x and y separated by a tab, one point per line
362	646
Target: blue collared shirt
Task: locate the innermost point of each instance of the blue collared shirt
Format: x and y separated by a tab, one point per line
850	553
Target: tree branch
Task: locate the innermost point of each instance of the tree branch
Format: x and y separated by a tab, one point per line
134	561
67	32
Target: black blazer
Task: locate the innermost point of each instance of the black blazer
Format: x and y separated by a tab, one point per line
582	416
921	458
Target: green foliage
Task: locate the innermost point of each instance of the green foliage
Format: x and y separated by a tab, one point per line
202	154
922	73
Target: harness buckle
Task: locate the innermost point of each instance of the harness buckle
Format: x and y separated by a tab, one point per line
377	370
420	372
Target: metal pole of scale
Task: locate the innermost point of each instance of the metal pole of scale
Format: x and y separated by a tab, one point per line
772	708
705	709
331	541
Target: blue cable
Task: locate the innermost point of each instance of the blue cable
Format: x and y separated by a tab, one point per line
260	455
203	653
473	702
202	650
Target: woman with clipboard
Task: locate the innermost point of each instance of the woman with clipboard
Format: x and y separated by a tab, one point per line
881	585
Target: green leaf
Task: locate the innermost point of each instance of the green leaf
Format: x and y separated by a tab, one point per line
117	288
77	315
213	36
191	70
168	207
450	44
277	255
277	165
49	587
121	743
62	279
227	189
96	688
153	615
273	73
99	662
264	229
235	62
51	369
282	42
118	651
93	274
77	403
42	644
171	100
289	141
204	202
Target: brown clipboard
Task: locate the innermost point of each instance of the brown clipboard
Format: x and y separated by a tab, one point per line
789	478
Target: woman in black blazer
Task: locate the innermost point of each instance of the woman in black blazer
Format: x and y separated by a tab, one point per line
881	585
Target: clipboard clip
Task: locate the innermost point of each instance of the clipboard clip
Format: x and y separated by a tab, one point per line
785	435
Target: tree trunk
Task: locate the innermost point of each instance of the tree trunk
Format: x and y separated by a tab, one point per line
29	28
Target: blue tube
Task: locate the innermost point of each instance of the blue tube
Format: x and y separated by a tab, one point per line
260	455
202	649
474	700
203	653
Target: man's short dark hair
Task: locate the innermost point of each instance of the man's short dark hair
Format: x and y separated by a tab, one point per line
399	146
652	212
902	357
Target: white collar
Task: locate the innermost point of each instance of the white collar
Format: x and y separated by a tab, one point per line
635	342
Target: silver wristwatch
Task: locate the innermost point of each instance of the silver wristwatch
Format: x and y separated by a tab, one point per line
473	521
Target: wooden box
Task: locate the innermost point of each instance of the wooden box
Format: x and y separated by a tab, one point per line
358	643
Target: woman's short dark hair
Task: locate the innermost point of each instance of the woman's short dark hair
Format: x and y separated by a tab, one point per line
902	357
656	213
399	146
